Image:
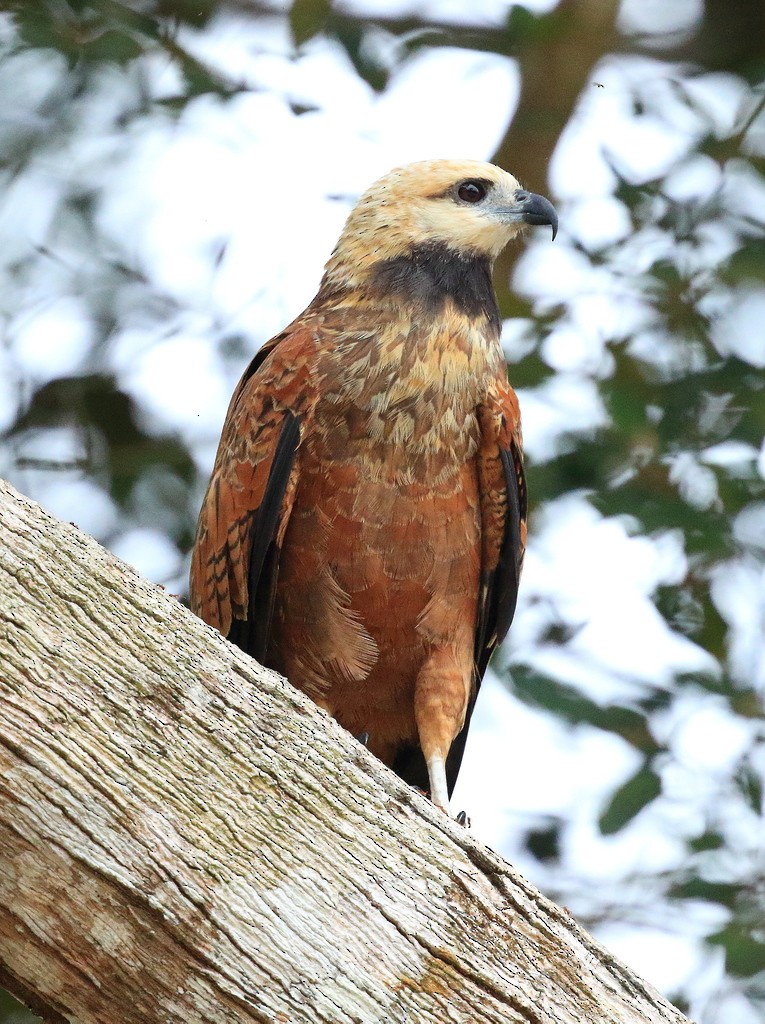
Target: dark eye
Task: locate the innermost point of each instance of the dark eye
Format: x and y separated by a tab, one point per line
471	191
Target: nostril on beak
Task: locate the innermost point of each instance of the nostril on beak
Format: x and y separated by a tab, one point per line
536	209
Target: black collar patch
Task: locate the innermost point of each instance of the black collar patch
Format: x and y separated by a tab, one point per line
431	273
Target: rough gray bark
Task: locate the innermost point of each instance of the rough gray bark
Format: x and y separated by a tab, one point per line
184	837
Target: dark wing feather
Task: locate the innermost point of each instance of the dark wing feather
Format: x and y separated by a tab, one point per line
235	562
501	585
499	591
252	634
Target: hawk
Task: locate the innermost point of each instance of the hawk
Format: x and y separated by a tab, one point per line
364	527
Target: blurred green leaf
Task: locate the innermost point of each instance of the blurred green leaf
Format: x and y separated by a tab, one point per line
112	45
354	38
744	954
308	18
14	1012
749	783
544	842
125	449
629	800
193	12
724	893
569	703
707	841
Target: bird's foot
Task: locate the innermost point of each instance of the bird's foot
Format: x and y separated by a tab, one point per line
462	819
363	738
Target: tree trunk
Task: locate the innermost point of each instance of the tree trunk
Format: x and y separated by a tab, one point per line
185	837
555	65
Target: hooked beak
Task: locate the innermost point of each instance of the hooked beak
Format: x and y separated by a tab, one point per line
534	209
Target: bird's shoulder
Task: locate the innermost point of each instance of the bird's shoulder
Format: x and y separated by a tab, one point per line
280	374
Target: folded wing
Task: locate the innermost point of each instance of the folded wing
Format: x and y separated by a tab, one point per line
503	531
251	492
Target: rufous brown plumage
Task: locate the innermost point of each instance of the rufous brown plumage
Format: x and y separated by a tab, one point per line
364	527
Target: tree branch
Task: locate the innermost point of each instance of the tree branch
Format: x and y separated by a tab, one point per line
555	65
184	837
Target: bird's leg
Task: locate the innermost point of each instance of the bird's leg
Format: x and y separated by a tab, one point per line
440	699
439	791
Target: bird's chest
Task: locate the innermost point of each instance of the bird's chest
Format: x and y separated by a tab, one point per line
383	545
404	405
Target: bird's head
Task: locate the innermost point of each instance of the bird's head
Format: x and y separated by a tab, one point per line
470	208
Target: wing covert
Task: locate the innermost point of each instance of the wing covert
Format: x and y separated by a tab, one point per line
241	525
